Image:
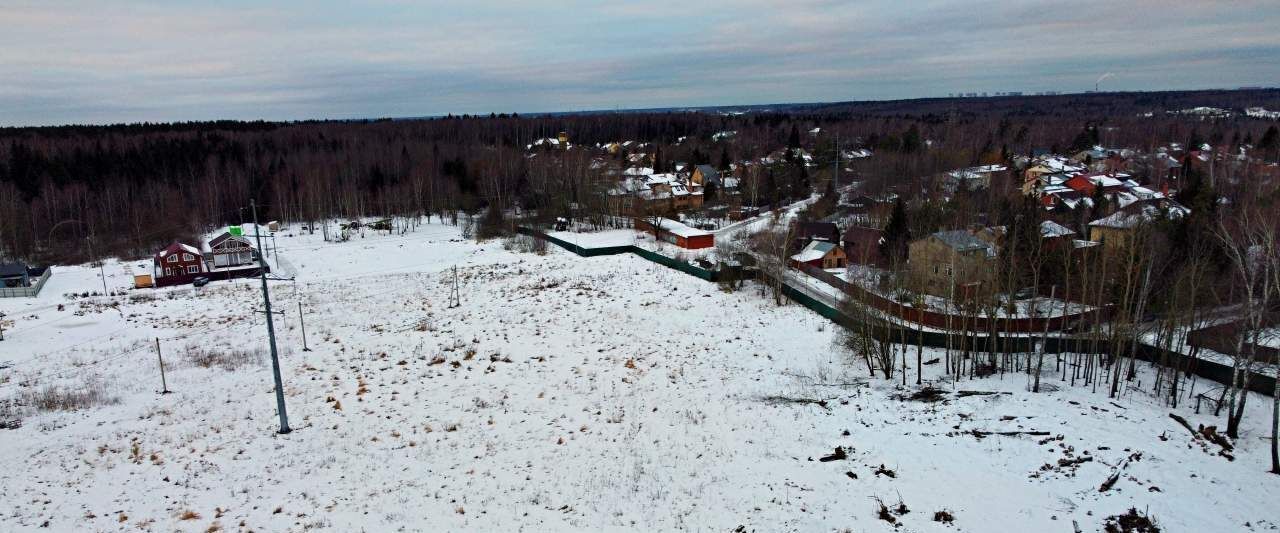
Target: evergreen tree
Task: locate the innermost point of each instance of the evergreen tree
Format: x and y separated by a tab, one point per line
893	244
1269	144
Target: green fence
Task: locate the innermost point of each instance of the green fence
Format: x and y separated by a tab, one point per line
670	262
1260	383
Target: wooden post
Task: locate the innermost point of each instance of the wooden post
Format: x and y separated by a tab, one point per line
164	385
304	327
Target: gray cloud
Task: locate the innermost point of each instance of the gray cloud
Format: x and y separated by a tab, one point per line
81	61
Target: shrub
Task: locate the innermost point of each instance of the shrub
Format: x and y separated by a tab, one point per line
223	357
60	398
525	244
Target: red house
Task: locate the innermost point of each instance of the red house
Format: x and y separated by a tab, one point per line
678	234
179	263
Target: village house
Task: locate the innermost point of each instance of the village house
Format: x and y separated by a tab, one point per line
821	231
821	254
1117	229
973	178
862	245
949	259
676	233
704	175
642	192
177	261
868	210
230	251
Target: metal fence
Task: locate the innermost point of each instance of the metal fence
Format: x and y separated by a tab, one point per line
1259	383
683	266
27	292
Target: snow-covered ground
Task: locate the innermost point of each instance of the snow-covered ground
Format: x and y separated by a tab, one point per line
600	394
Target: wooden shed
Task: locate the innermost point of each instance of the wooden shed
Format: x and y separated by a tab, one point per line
678	234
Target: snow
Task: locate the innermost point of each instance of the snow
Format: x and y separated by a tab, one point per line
600	394
814	251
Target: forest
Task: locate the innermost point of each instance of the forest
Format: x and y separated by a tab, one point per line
68	193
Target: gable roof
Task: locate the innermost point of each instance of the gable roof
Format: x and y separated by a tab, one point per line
1049	229
709	173
176	247
813	251
226	236
961	240
676	228
826	230
1140	212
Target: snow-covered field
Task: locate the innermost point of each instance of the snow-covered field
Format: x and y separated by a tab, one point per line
564	393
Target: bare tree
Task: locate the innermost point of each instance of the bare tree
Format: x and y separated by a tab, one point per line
1244	237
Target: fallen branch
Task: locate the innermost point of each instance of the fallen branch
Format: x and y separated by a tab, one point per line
1184	423
965	393
1115	474
801	401
981	434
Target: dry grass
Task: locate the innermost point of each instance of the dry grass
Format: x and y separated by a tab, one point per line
223	357
62	398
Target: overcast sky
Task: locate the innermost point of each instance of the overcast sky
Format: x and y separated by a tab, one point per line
105	61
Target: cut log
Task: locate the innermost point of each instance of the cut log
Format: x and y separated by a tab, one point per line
838	455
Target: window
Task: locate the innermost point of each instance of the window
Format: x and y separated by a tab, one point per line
188	257
173	258
168	271
192	269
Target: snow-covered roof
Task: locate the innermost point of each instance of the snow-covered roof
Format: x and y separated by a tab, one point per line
1138	213
177	246
1050	228
1105	181
961	240
676	228
976	172
813	251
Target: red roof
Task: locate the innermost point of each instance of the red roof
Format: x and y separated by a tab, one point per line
1081	184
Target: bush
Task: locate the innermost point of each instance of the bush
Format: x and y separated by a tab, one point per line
222	357
10	418
492	225
59	398
525	244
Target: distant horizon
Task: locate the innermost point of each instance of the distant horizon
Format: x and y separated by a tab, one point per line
544	113
132	61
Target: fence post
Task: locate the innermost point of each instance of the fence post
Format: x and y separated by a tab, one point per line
164	385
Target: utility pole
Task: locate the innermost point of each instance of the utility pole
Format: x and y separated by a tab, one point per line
271	328
164	385
303	323
836	175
